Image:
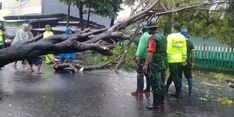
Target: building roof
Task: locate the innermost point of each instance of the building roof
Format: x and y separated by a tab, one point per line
59	28
36	16
53	17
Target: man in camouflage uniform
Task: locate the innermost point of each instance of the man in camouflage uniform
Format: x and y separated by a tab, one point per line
156	60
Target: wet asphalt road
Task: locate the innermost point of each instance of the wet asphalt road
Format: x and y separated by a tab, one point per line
95	94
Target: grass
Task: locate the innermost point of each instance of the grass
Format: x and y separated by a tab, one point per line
217	76
225	101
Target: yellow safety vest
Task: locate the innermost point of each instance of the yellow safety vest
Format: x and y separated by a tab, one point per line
50	57
176	48
47	34
1	37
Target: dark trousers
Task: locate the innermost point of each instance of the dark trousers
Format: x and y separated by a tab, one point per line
187	71
175	72
1	46
140	78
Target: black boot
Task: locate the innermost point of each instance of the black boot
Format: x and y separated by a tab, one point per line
162	99
166	90
155	104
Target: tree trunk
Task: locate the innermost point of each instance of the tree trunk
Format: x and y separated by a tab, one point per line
77	42
68	15
81	17
89	13
54	45
112	21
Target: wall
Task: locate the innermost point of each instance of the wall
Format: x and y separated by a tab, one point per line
22	7
55	6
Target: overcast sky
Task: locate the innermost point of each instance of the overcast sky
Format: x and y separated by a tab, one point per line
123	14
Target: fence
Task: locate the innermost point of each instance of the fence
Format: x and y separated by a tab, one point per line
214	57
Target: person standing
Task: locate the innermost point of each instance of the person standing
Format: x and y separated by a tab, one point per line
67	56
2	35
187	69
35	60
49	58
21	37
177	54
155	64
141	55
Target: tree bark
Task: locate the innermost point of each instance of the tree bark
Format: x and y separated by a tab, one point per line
112	21
53	45
89	13
81	16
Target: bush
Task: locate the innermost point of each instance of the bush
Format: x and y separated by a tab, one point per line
129	63
225	101
218	76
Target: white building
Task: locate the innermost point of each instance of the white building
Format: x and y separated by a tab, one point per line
43	7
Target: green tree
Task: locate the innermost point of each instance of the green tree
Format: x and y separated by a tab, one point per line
116	7
106	8
80	5
207	21
100	7
231	21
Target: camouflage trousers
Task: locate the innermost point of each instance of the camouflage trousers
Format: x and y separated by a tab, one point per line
157	75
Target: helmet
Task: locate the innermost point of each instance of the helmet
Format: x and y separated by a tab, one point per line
151	24
185	33
47	26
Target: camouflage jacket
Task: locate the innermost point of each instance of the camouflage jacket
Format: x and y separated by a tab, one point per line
160	56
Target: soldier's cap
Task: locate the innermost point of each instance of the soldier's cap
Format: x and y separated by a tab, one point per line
47	26
151	24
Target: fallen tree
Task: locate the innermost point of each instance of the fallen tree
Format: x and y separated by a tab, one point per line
65	44
55	44
85	40
156	13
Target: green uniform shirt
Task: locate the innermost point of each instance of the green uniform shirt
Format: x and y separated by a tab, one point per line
142	48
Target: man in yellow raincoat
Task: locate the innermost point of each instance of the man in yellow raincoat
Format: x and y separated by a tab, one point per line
49	59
